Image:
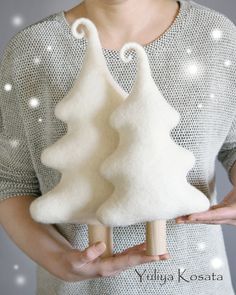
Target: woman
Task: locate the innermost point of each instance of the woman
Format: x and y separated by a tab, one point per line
191	49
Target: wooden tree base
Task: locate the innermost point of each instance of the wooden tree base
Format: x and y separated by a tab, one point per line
156	237
102	233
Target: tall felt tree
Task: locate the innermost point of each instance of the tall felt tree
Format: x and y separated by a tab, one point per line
148	169
88	141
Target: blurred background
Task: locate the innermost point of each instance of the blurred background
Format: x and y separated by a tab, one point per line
17	272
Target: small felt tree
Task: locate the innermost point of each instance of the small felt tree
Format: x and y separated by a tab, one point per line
88	141
148	169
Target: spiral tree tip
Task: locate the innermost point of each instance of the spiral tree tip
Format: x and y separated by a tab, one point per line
124	51
76	29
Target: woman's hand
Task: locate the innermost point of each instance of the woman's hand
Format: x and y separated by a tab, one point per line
222	213
53	252
75	265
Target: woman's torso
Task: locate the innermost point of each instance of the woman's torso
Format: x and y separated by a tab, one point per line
188	65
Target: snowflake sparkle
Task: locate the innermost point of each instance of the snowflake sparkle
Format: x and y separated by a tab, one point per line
216	263
33	102
49	48
227	63
212	95
201	246
189	50
7	87
200	105
14	143
20	280
17	20
192	69
216	34
16	266
40	119
213	98
37	60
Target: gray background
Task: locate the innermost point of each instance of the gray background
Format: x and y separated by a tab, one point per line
17	272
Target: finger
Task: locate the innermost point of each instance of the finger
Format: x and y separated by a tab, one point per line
215	214
89	254
137	248
180	219
141	248
223	221
164	256
123	261
200	215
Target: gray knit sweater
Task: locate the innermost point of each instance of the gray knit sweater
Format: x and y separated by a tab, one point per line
193	63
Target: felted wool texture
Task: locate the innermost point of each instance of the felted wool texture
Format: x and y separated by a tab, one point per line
89	139
204	128
148	169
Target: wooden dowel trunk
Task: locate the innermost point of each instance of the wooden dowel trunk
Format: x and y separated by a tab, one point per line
156	237
102	233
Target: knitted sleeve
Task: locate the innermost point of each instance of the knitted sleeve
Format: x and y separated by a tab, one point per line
227	154
17	174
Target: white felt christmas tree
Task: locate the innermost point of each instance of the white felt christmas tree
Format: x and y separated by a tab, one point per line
88	141
148	169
